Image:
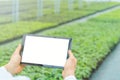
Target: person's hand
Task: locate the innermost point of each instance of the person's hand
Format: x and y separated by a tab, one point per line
70	66
14	65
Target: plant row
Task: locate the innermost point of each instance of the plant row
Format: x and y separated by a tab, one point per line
92	41
12	30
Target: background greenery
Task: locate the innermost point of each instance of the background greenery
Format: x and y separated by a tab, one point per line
49	19
92	41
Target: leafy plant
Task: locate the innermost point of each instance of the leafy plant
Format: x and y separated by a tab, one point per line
12	30
92	41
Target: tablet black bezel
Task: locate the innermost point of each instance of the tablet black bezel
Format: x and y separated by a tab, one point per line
50	66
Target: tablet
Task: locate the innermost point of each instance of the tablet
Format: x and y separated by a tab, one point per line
45	51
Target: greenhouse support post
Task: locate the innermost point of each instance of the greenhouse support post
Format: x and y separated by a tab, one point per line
88	2
39	8
80	4
70	4
15	10
57	6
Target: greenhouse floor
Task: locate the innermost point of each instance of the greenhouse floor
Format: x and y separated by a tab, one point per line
110	68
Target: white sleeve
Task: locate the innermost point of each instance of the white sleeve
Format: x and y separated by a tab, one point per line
70	78
21	78
4	74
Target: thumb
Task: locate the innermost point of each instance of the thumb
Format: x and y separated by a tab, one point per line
17	51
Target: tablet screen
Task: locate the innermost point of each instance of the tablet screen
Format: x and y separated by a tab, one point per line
46	51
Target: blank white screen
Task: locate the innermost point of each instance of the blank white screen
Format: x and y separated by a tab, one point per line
46	51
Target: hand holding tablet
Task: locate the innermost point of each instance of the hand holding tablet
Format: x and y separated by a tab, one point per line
45	51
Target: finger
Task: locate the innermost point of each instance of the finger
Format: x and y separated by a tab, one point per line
17	51
70	53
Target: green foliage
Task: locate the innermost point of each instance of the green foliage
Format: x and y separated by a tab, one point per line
92	41
66	15
111	19
49	19
9	31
